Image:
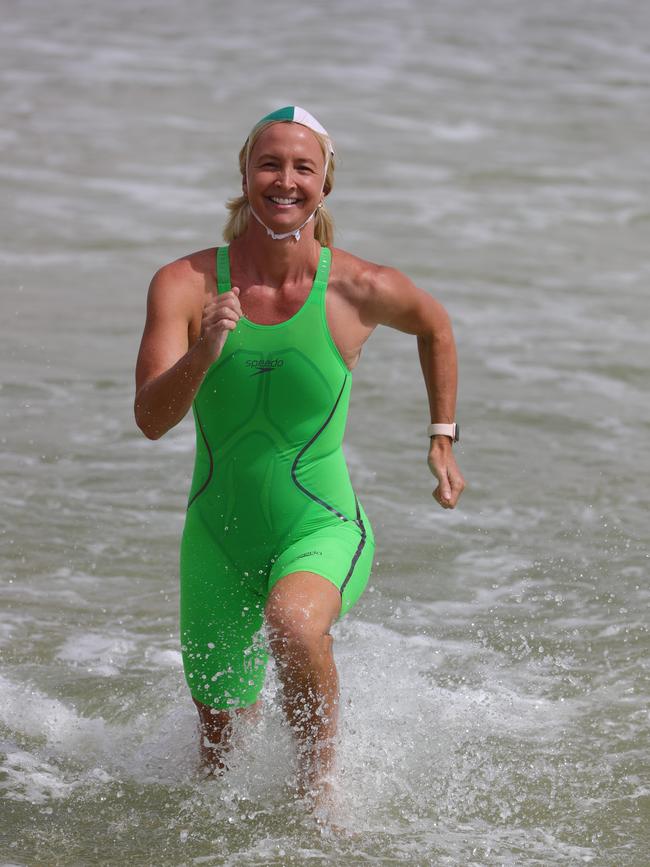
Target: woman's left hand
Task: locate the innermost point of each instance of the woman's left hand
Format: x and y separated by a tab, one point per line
442	464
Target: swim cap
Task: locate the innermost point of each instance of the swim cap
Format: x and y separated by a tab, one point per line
295	114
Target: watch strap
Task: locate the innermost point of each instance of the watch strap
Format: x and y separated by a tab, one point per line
446	430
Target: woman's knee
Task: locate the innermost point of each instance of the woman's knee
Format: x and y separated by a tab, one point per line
299	613
302	604
216	723
289	629
213	722
294	635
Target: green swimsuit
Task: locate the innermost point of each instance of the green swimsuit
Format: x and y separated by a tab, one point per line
270	493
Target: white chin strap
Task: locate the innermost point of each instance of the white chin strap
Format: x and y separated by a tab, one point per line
283	235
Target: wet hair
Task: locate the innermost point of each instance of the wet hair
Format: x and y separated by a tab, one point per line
240	212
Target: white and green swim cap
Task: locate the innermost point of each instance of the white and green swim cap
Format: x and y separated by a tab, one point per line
295	114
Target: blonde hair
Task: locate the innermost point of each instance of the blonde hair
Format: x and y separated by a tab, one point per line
239	208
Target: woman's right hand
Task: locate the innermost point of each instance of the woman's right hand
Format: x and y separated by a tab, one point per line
220	316
169	371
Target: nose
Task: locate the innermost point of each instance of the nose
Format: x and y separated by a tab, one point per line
284	178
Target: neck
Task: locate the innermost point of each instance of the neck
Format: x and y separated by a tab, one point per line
275	263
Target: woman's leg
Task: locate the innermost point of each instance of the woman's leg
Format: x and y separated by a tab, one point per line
215	731
300	611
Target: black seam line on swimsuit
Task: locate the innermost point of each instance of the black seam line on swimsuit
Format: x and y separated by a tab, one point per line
294	466
207	445
360	546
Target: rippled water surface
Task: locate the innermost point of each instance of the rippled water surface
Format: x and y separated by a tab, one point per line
495	675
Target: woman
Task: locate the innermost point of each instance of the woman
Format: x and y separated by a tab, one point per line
260	338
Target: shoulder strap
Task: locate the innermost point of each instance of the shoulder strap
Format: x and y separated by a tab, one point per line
322	273
320	280
223	270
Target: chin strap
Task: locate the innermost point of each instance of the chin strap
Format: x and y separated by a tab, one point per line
283	235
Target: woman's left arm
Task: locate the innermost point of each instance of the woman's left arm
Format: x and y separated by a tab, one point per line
392	299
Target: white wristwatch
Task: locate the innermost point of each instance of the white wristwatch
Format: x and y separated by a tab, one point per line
445	430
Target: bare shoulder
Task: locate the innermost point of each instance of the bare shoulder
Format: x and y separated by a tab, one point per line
359	277
377	291
185	281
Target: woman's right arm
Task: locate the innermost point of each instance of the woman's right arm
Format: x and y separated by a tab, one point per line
169	371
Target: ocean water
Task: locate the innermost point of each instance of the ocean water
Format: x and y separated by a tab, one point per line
494	677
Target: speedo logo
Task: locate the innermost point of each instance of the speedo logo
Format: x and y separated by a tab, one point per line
309	554
264	366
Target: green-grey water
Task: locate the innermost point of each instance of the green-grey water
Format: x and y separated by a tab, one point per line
495	674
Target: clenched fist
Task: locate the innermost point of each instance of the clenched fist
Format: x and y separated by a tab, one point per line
221	313
443	466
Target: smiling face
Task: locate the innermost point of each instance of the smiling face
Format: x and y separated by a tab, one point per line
285	175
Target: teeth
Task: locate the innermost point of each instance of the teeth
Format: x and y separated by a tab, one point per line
279	201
